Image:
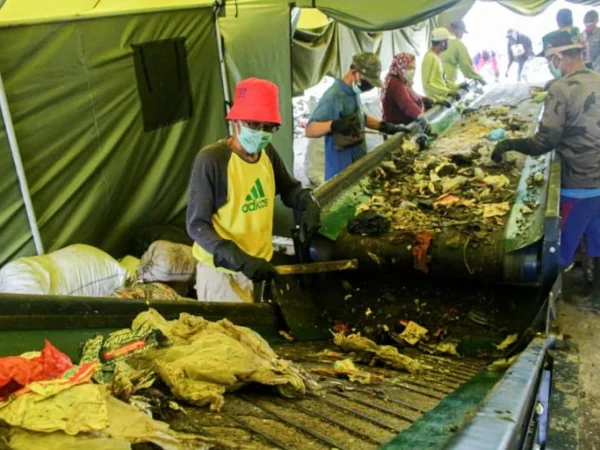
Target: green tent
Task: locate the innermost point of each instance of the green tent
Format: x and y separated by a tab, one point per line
102	131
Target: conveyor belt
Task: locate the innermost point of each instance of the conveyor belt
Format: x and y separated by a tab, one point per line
513	255
348	416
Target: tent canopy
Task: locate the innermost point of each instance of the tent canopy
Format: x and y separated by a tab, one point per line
13	12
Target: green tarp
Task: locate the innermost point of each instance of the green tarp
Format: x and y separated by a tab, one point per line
94	174
378	15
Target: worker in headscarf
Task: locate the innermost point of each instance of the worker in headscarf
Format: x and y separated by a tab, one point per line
591	38
457	57
432	71
401	104
339	116
520	49
570	125
232	198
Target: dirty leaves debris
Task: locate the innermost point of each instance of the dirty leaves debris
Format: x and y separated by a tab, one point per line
455	185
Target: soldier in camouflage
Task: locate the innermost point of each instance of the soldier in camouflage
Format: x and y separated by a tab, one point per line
571	126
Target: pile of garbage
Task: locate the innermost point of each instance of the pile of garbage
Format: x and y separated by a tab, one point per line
106	401
455	184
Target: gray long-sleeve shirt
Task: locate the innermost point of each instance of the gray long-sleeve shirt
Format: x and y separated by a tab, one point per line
571	126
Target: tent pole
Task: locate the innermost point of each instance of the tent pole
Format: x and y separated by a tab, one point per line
14	149
224	82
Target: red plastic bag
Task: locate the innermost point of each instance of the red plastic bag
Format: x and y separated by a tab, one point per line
17	371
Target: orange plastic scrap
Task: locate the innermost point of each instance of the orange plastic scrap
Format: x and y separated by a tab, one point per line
446	200
419	251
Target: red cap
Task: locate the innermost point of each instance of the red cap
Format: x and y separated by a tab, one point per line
256	100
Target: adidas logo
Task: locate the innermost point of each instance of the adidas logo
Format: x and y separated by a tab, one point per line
255	200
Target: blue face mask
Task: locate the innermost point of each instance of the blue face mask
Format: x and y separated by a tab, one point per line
555	71
254	141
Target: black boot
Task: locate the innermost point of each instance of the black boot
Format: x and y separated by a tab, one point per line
592	301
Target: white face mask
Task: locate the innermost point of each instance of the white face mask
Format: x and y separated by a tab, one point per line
409	75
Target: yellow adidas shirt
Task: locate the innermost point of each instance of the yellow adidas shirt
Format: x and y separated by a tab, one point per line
238	199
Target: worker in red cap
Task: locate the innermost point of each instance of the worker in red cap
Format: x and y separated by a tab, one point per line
232	198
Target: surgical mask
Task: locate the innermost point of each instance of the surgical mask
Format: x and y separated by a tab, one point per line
362	86
410	75
253	141
555	70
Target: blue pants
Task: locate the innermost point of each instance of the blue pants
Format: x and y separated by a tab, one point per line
580	217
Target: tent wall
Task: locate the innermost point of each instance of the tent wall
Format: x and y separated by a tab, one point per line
16	238
95	175
378	15
257	44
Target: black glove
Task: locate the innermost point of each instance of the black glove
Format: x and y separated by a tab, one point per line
428	103
444	103
308	213
392	128
347	126
464	86
229	256
500	149
424	124
481	81
455	95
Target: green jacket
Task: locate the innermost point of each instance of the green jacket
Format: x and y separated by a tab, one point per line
432	76
457	57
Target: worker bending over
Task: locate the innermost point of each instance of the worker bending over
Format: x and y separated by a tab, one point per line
340	118
457	57
434	81
571	126
232	198
520	50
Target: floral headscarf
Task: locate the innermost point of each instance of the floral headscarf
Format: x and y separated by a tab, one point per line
400	63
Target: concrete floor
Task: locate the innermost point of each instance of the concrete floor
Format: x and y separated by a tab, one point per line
583	328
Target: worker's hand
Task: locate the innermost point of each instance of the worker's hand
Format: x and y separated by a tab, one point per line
464	86
392	128
259	269
424	124
229	256
428	103
455	95
500	149
347	126
308	214
444	103
481	81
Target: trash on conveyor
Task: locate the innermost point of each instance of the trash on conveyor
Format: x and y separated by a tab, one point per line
16	372
413	333
508	341
368	223
386	354
347	368
502	364
84	416
197	359
455	185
